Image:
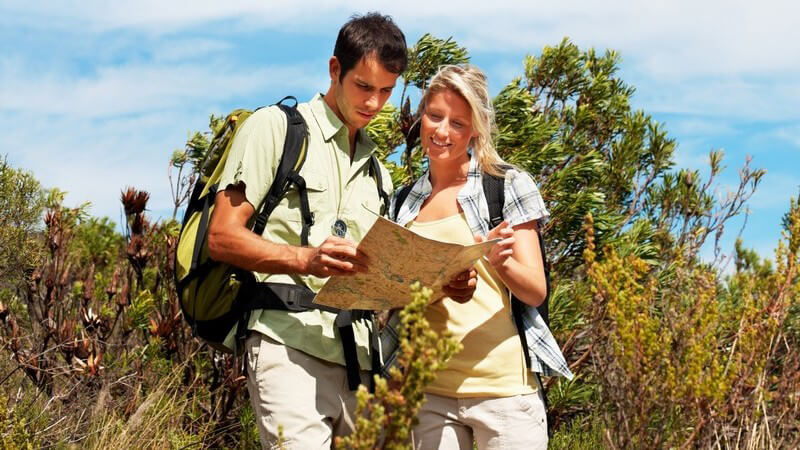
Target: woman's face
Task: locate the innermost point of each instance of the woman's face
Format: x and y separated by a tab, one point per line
446	127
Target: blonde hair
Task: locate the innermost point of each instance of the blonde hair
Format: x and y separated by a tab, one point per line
472	85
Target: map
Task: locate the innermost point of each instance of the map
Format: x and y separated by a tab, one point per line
399	257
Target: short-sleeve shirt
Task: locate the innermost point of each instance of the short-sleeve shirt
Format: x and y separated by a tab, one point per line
337	190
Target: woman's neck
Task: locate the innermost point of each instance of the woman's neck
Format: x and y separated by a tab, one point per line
448	173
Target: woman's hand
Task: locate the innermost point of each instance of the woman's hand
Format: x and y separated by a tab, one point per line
462	286
501	253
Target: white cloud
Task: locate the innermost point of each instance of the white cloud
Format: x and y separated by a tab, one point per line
712	57
96	134
148	15
790	133
143	87
179	50
672	40
765	99
94	160
699	126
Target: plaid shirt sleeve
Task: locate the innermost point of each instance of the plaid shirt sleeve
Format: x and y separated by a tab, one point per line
389	342
523	202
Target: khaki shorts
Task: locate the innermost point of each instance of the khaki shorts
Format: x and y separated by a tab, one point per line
510	423
305	396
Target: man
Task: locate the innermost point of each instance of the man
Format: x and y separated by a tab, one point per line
296	360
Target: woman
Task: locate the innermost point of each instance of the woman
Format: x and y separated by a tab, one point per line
486	393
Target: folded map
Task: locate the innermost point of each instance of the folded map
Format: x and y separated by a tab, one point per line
398	257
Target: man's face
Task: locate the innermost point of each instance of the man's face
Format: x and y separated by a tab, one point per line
360	95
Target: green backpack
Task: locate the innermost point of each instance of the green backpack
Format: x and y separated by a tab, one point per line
216	296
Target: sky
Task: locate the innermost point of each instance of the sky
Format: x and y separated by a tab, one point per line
96	95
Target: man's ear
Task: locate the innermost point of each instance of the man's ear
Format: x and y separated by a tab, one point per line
334	69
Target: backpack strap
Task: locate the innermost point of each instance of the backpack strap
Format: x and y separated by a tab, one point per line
295	148
401	197
375	172
494	191
344	322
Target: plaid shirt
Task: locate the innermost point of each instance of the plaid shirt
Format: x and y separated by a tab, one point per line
523	203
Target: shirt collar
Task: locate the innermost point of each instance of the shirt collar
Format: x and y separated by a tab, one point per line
330	124
327	120
472	187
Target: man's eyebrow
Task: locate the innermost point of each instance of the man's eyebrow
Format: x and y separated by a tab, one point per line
370	86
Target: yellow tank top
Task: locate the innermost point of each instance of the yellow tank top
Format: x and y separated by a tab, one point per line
491	363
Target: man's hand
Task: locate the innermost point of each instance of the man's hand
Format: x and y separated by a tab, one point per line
503	250
336	256
462	286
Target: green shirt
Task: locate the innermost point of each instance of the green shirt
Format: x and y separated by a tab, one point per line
337	189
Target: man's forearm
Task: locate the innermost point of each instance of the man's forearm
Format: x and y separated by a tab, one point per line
242	248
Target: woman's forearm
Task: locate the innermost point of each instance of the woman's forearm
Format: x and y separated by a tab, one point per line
527	283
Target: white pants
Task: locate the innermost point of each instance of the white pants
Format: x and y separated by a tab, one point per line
509	423
307	397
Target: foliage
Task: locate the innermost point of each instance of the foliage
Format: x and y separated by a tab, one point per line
22	200
581	433
681	363
189	162
568	121
170	415
425	57
95	325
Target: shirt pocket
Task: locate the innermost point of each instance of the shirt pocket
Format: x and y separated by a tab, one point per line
285	222
316	190
364	215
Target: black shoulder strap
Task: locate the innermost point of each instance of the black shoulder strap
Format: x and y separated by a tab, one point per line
375	172
401	197
292	159
494	191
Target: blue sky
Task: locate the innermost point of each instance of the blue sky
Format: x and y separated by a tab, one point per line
94	96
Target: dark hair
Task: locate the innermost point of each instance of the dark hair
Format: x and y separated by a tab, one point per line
373	32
